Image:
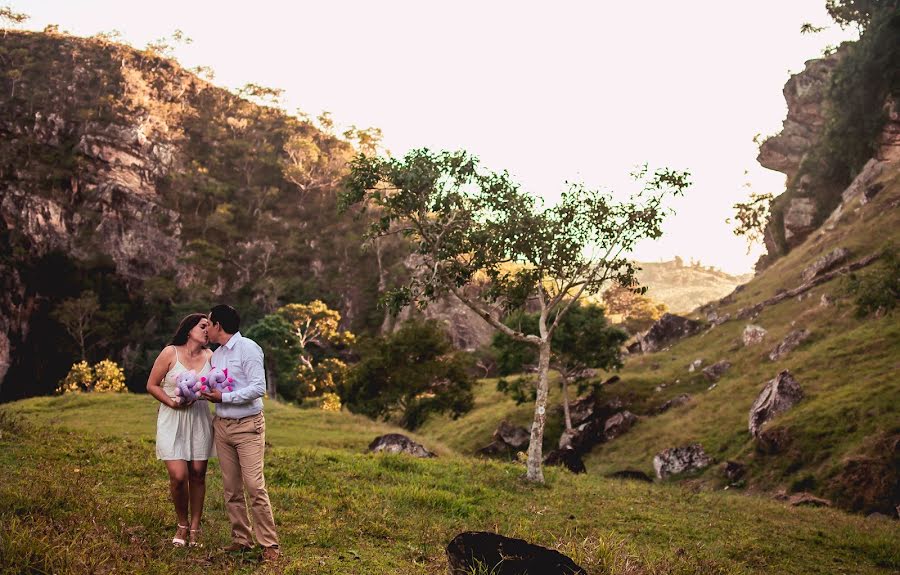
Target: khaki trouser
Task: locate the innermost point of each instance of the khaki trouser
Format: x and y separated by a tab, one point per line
241	443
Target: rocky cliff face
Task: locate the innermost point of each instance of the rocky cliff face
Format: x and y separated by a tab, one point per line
124	174
812	193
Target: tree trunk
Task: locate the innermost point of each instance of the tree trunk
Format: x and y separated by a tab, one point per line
535	452
271	384
565	400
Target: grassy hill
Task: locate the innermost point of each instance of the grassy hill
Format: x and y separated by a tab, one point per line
843	436
82	492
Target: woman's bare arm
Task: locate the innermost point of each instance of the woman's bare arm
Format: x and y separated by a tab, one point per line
160	368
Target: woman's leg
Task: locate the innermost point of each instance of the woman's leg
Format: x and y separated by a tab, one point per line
178	486
197	477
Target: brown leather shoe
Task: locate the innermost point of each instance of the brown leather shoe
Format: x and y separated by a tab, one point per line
270	554
236	547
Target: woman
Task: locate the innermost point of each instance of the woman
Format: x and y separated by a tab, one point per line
184	435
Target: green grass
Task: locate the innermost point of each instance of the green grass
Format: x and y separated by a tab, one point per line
87	495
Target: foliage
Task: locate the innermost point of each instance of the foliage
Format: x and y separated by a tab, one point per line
76	316
105	376
409	374
108	376
878	290
631	309
751	217
858	12
469	225
325	376
331	401
282	351
10	16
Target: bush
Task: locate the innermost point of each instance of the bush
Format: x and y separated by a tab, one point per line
877	290
105	376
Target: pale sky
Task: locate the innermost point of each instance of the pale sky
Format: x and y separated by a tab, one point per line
577	91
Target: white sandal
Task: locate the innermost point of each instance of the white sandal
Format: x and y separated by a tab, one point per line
180	533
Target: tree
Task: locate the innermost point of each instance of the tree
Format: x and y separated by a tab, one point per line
9	17
633	310
318	333
751	217
583	340
411	373
859	12
75	315
277	336
466	223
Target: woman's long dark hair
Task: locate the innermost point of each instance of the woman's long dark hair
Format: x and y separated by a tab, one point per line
185	327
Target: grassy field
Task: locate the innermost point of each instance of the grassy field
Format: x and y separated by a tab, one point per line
83	493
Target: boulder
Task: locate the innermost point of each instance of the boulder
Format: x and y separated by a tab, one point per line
583	437
825	263
788	344
582	409
618	424
473	551
674	402
398	443
799	220
667	329
779	395
515	436
566	457
695	365
753	334
676	460
632	474
715	371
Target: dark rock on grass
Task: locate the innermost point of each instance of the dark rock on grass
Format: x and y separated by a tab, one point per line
478	551
515	436
566	457
667	329
633	474
397	443
779	395
716	370
582	409
583	437
674	402
788	344
676	460
618	424
733	470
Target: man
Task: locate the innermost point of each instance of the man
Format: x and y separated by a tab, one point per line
240	433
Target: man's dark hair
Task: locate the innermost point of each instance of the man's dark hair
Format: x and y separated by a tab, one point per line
185	327
226	316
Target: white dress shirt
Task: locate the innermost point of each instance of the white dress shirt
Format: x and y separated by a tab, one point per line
244	360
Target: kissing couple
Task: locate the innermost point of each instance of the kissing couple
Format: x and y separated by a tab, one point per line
188	435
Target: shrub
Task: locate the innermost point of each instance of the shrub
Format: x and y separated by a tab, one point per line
105	376
879	289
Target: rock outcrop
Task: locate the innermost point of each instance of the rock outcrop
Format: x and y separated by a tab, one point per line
566	457
398	443
715	371
779	395
677	460
825	263
674	402
753	334
668	329
790	342
507	440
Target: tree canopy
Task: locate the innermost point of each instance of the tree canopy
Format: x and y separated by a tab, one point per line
481	238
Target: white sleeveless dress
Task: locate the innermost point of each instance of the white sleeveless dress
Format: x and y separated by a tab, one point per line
184	433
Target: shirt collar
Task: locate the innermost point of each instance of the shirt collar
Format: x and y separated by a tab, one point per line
233	340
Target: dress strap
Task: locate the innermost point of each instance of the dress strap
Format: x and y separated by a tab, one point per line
175	347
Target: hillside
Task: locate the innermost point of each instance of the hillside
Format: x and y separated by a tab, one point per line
683	288
341	511
842	441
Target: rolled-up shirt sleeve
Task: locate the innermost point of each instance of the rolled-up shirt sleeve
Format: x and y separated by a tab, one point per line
252	366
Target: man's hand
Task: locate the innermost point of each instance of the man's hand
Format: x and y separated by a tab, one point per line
214	396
